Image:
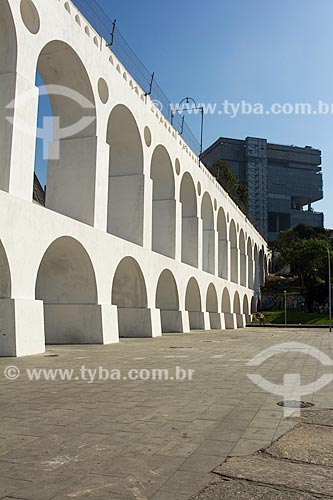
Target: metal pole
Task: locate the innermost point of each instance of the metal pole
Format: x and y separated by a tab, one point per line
202	126
285	307
329	290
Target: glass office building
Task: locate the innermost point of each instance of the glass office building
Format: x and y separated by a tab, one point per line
283	181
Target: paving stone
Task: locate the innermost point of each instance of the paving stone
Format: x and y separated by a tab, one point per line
64	438
247	446
306	443
186	483
320	417
264	469
243	490
202	463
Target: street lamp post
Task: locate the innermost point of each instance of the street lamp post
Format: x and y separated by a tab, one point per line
195	107
329	290
285	307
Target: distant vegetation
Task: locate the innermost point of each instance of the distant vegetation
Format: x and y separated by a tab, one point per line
303	252
294	317
225	176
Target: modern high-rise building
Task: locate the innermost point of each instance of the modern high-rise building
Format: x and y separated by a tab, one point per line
282	181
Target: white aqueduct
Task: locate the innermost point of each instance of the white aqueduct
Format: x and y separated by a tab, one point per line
136	238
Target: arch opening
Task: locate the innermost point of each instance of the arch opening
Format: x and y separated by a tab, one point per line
254	305
6	318
129	294
8	58
234	252
126	179
212	308
237	311
261	268
256	269
193	305
266	268
242	256
66	144
249	264
164	203
222	244
66	284
5	277
188	200
167	300
246	309
226	310
208	235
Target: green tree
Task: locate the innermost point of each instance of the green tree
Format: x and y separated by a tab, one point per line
304	250
224	174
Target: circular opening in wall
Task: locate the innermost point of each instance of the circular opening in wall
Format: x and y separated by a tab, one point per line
199	188
30	16
215	204
147	135
177	166
103	90
295	404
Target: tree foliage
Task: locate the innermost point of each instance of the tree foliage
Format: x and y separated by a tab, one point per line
304	250
224	174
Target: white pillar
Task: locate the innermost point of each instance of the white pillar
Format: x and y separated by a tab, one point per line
200	244
148	213
21	327
18	137
178	243
101	184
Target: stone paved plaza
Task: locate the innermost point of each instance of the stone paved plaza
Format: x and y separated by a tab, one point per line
152	439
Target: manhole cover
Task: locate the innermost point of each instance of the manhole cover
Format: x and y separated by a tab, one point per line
295	404
180	347
51	356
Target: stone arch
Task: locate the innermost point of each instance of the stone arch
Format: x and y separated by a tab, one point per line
188	200
5	275
249	264
233	252
242	257
167	300
126	179
164	203
237	311
222	244
70	160
208	234
237	306
226	310
261	268
246	309
256	268
8	59
254	305
8	39
193	305
129	294
226	305
212	308
66	284
8	331
266	268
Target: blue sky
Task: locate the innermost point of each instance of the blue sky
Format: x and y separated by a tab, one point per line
258	51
